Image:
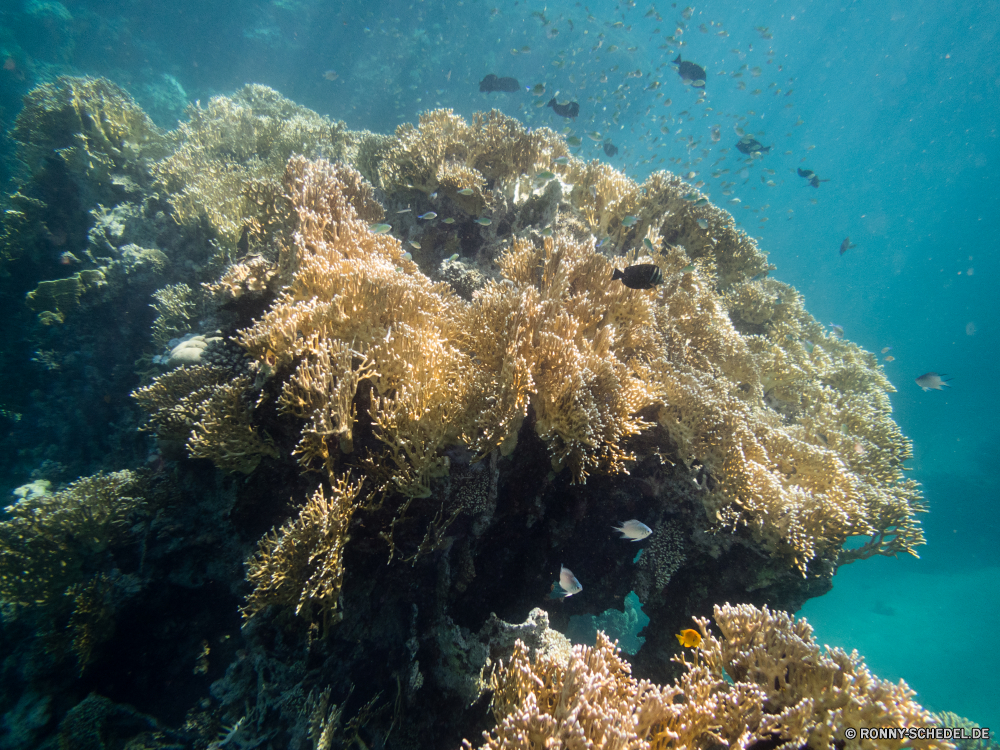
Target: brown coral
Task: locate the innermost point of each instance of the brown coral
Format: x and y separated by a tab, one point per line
47	539
301	565
765	681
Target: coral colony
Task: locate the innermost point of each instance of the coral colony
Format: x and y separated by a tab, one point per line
323	316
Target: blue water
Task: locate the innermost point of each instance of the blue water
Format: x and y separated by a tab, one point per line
897	104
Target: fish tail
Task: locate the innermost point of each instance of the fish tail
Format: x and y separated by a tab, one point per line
617	275
678	59
552	102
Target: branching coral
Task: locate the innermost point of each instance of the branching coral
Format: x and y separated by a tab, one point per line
301	565
765	681
174	308
447	152
42	540
203	406
231	154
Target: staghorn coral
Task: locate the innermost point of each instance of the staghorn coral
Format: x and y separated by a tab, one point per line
224	433
174	309
322	390
230	156
57	557
446	151
765	681
204	406
301	564
46	539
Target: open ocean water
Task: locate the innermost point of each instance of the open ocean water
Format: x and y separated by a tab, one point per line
896	104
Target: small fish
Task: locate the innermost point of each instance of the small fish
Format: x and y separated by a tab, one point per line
428	216
890	358
642	276
814	181
380	228
691	73
594	136
415	244
634	530
647	243
610	149
703	223
452	258
630	221
932	381
538	89
751	146
688	268
569	110
568	582
331	75
544	176
562	161
807	173
809	345
846	245
701	202
449	220
689	638
483	221
716	134
836	332
574	140
466	191
404	211
505	84
886	349
407	256
547	232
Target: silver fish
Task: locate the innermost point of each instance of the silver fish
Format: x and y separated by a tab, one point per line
932	381
568	582
634	530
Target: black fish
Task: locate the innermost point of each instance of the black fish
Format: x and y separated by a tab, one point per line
492	83
610	149
691	72
570	109
807	173
642	276
751	146
815	181
846	245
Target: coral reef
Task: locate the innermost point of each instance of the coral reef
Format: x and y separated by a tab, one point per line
764	681
421	334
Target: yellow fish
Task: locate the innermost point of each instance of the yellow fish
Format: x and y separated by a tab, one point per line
689	638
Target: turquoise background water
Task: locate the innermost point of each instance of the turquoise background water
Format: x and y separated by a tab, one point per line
897	104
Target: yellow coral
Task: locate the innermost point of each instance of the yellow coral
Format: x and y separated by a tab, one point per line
301	565
765	681
46	539
224	432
